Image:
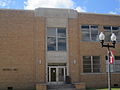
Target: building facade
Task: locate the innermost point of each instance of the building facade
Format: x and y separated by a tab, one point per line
45	45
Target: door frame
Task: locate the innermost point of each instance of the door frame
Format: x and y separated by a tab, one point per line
57	74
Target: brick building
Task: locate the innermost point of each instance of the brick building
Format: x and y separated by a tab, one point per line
46	45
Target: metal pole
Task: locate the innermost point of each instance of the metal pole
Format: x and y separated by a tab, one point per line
109	71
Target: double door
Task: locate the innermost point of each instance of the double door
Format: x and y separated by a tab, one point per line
56	74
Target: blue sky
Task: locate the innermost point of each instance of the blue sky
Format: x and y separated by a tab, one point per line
92	6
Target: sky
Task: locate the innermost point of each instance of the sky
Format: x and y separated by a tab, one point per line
90	6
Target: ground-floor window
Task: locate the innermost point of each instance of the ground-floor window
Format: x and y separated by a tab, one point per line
115	67
91	64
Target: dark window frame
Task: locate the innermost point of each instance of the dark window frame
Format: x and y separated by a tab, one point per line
91	65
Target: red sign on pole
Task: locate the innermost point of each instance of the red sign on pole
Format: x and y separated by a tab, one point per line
112	59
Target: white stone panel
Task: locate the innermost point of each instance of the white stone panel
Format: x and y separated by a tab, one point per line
58	13
56	57
56	22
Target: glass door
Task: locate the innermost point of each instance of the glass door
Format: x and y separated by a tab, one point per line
56	74
53	74
61	75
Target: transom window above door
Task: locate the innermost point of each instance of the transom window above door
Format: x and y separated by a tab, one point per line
56	39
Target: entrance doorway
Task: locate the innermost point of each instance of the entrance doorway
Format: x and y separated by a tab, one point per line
56	74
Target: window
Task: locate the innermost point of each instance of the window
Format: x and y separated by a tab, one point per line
51	32
85	26
89	32
51	43
115	28
94	34
111	29
117	64
61	44
91	64
114	67
56	39
107	27
86	35
61	32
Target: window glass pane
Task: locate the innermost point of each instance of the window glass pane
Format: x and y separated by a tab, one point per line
86	64
115	28
107	36
96	63
118	37
87	70
96	66
62	44
116	67
107	27
51	31
117	33
96	59
96	70
85	26
51	43
61	32
87	61
117	57
94	27
86	58
86	35
94	35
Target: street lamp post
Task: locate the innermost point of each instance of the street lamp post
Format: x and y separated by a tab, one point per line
108	45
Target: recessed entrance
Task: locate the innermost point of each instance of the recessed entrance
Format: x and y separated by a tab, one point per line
56	74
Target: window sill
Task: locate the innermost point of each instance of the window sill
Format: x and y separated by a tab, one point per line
88	41
56	51
99	73
115	72
92	73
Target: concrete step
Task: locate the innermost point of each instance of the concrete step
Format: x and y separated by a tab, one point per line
61	87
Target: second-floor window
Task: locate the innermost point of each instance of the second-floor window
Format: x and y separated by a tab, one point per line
89	32
56	39
108	30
